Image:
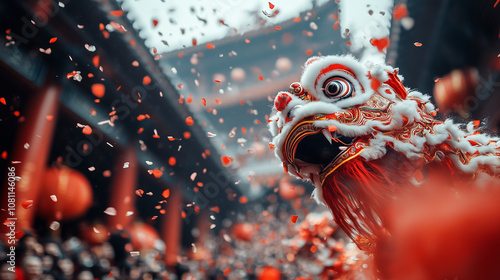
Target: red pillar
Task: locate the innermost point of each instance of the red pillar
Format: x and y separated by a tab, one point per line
31	150
123	189
171	227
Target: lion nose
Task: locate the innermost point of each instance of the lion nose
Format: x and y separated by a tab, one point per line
281	101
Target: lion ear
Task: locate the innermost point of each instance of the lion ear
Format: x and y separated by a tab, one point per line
311	60
396	84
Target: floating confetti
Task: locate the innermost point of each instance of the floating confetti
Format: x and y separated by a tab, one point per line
146	80
417	44
111	211
226	160
189	120
116	13
157	173
54	225
87	130
27	204
210	46
90	48
53	198
98	90
293	218
400	11
172	161
2	100
53	40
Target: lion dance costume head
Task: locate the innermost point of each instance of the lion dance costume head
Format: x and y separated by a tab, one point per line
362	138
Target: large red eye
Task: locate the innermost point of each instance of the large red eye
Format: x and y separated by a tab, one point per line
337	87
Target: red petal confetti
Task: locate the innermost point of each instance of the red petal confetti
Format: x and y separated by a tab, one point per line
187	135
226	271
19	234
309	52
139	192
95	61
417	44
476	123
4	154
218	101
271	6
194	42
293	218
226	160
2	100
98	90
278	27
166	193
172	161
135	63
243	199
381	44
189	120
400	11
189	99
418	175
210	46
272	146
116	13
496	3
247	41
146	80
157	173
297	19
203	101
244	130
87	130
155	22
261	78
27	204
53	40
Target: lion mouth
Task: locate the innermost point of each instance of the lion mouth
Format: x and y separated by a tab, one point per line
317	146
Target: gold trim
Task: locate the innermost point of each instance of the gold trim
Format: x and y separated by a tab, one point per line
334	167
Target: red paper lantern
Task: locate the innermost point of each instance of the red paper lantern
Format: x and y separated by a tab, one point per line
243	231
95	234
143	236
270	273
65	194
455	91
443	236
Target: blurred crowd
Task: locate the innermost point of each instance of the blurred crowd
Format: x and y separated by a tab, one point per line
46	258
280	241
